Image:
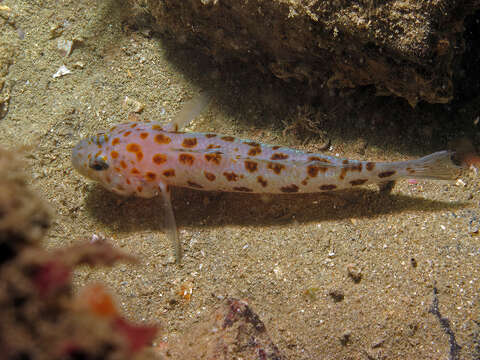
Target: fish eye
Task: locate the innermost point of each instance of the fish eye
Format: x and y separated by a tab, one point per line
98	164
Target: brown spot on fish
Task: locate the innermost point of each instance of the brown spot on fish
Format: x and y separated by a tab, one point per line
289	188
123	164
139	156
328	187
252	143
385	174
189	142
115	141
150	176
139	188
230	176
345	161
276	168
186	159
169	173
133	125
135	171
251	166
276	147
144	135
113	128
343	173
279	156
313	170
133	148
159	159
128	181
213	146
242	189
228	138
117	169
410	170
157	127
358	182
254	151
210	135
317	158
356	167
194	185
209	176
370	166
114	154
262	181
127	133
108	179
214	157
162	139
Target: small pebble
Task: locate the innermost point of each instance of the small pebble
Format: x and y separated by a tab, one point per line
62	71
336	294
354	272
345	337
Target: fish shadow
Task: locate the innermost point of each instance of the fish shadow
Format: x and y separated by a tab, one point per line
214	209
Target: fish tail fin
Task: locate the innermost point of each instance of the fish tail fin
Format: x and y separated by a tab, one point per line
437	166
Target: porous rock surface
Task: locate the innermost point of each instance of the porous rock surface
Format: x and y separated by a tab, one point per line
409	48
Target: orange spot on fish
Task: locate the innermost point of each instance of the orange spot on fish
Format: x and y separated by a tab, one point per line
144	135
254	151
228	138
157	127
162	139
169	173
186	159
358	182
213	146
386	174
189	142
279	156
114	154
262	181
159	159
133	148
127	133
251	166
370	166
318	158
230	176
209	176
276	168
289	188
123	164
215	158
210	135
150	176
115	141
135	171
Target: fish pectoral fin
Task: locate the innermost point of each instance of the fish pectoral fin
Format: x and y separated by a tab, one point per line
170	223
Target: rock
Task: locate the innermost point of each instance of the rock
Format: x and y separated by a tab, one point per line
406	48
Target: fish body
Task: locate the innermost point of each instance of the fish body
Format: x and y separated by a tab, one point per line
133	158
145	159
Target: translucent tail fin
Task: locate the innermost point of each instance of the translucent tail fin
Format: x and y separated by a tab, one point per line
436	166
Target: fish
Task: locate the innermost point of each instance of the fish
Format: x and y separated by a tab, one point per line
146	158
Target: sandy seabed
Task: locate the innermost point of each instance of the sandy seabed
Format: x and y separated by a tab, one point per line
347	275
